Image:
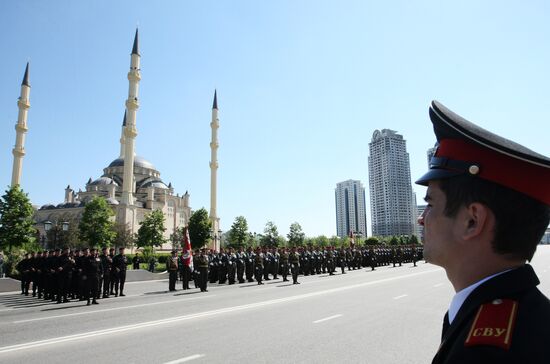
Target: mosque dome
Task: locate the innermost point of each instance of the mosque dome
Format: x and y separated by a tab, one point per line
153	182
101	181
138	162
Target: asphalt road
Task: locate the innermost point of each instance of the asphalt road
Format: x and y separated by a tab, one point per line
391	315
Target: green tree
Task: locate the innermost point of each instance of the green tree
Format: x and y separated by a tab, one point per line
199	228
96	225
151	230
270	238
176	238
295	236
413	240
123	236
238	234
322	241
372	241
16	223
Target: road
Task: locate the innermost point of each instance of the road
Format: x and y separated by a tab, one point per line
391	315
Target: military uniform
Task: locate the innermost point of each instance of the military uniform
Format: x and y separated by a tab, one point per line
120	265
172	268
505	318
483	332
294	259
203	263
107	266
259	266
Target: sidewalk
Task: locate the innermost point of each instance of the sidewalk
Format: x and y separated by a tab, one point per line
13	285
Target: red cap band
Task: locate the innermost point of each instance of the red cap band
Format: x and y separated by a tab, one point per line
525	177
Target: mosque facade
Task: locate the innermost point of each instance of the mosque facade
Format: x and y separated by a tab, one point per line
131	185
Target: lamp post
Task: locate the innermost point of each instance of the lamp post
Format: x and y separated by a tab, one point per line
56	227
216	236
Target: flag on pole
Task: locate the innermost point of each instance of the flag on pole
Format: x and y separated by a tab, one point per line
351	239
187	255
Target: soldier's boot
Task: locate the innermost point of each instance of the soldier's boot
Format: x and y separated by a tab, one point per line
88	303
94	302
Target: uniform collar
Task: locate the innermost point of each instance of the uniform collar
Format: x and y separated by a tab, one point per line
463	294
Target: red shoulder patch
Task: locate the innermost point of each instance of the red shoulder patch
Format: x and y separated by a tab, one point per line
493	324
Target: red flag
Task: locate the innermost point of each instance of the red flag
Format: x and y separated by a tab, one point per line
187	256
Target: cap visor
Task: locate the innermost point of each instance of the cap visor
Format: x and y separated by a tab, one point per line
434	174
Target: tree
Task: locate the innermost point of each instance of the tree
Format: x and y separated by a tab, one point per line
16	223
238	234
372	241
199	228
413	240
322	241
96	225
124	237
151	230
295	236
176	238
270	238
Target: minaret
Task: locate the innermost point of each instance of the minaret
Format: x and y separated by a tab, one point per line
130	131
122	137
21	129
215	124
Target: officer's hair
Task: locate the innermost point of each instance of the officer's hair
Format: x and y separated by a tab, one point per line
520	220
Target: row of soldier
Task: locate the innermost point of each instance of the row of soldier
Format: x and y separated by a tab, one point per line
62	274
232	266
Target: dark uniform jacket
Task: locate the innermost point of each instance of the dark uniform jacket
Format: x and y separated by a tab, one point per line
504	320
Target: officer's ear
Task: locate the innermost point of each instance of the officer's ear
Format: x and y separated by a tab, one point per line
475	221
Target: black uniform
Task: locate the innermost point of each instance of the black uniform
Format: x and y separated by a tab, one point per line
91	269
120	264
240	265
530	329
106	265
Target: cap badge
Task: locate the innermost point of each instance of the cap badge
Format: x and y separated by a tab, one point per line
473	170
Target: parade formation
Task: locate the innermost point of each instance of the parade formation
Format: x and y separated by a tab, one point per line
62	275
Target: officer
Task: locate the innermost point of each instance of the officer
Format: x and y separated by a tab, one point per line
172	268
488	208
196	273
82	263
267	263
241	256
106	267
231	266
223	263
275	262
92	266
249	264
284	264
135	261
24	268
120	263
259	265
203	265
294	259
185	260
330	261
114	275
64	273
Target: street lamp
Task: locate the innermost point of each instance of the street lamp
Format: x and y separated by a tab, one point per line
58	226
216	235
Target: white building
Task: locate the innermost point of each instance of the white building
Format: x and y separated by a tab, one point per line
392	202
351	211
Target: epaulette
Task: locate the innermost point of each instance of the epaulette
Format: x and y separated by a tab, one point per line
494	324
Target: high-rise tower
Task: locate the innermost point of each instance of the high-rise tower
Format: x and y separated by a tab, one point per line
21	129
351	211
215	124
391	196
130	131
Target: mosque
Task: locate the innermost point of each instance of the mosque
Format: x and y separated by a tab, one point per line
131	185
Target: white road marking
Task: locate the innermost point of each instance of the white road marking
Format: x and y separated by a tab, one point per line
111	309
327	318
172	320
438	285
186	359
399	297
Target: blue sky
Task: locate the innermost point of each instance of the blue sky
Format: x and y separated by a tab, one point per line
302	85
